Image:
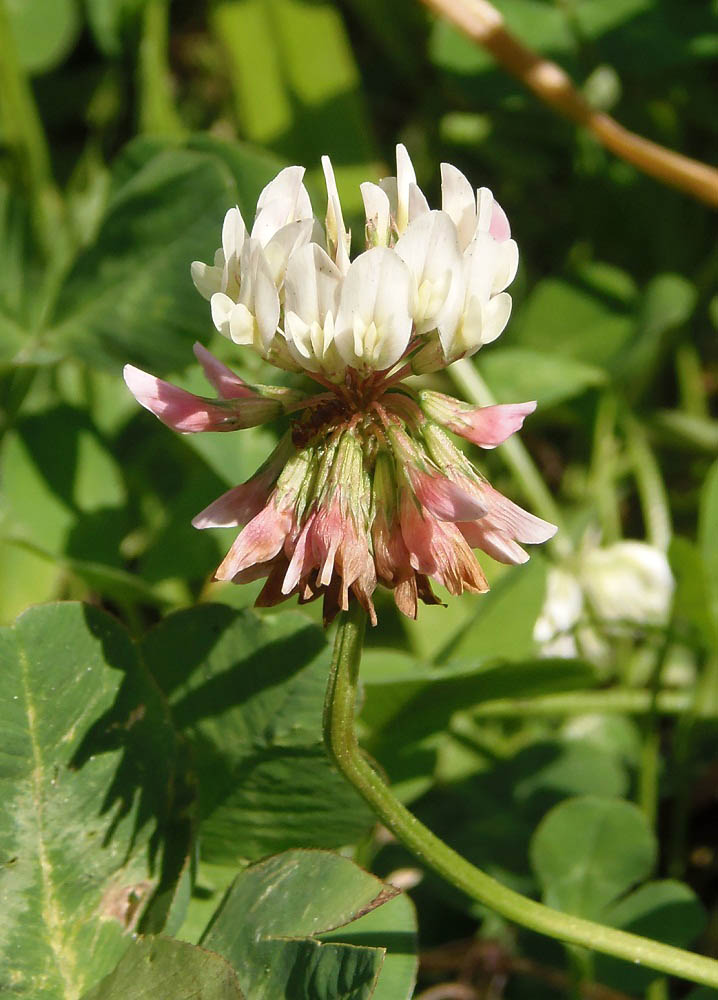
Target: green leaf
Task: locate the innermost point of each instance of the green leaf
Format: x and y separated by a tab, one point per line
269	922
391	926
155	967
63	489
573	322
109	20
248	692
278	104
44	33
129	296
515	373
692	603
589	851
86	764
503	622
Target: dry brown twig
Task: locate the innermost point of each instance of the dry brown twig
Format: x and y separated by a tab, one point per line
483	24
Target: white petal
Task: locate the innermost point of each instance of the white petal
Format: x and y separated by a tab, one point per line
378	213
283	244
233	233
489	266
297	334
266	302
496	314
374	310
207	279
405	176
242	326
221	307
484	209
278	202
311	285
507	262
430	249
337	236
418	205
458	201
284	187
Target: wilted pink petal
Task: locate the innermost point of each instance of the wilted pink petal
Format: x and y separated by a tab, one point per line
240	504
237	506
259	542
438	549
227	384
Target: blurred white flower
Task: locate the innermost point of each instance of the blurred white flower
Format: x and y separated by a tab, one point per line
627	583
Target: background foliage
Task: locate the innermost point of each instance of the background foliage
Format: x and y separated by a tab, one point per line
160	739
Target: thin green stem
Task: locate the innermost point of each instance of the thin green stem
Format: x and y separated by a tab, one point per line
620	701
515	455
649	770
25	136
651	488
341	741
603	468
691	380
158	114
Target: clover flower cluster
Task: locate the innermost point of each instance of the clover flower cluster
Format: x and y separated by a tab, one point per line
366	485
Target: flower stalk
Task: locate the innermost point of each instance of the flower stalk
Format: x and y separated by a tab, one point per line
480	21
343	748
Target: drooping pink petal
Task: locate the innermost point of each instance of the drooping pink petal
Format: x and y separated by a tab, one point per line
438	549
505	524
227	384
237	506
497	544
240	504
187	413
301	559
505	515
260	541
443	498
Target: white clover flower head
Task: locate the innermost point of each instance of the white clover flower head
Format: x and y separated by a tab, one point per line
365	487
626	584
428	287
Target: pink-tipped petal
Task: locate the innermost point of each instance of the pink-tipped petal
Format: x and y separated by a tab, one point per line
499	546
499	228
237	506
445	499
227	384
489	426
190	414
259	542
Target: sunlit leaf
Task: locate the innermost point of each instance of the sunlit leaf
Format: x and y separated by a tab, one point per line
86	762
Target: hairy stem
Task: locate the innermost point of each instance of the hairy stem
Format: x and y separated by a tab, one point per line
483	24
342	745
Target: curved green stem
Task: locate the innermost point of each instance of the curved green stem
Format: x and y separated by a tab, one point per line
341	741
